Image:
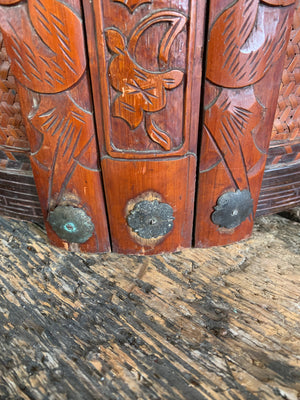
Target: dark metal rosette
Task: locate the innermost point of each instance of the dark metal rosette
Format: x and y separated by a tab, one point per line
232	209
151	219
71	224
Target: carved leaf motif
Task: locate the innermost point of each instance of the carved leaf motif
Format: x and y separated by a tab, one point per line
115	41
158	135
49	58
133	4
172	79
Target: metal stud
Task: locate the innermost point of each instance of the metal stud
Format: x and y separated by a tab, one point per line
71	224
151	219
232	209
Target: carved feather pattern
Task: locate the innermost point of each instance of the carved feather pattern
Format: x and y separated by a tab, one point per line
49	58
44	39
250	43
68	130
229	125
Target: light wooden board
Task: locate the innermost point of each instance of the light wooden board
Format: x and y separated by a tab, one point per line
220	323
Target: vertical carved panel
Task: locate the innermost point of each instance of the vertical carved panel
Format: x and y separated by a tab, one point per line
246	48
146	73
44	40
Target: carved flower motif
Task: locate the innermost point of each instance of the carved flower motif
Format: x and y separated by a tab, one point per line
151	219
143	92
232	209
140	90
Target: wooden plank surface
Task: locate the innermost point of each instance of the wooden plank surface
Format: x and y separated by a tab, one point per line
219	323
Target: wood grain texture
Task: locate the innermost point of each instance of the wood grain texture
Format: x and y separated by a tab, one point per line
219	323
44	40
280	189
129	189
246	48
18	197
146	62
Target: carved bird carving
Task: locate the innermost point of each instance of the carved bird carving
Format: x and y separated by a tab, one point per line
45	43
44	40
245	40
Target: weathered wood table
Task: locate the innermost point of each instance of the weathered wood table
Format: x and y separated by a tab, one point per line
219	323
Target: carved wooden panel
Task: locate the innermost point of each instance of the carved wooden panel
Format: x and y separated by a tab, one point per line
44	40
145	59
246	47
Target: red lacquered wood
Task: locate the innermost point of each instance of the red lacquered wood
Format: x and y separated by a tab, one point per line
246	48
45	43
146	65
130	189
